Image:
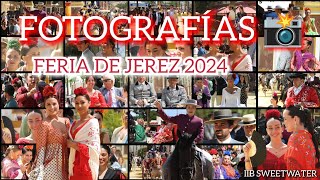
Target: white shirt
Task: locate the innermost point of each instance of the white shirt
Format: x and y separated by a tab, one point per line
248	137
297	90
114	99
227	141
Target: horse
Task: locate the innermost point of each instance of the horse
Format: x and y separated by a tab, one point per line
156	170
187	161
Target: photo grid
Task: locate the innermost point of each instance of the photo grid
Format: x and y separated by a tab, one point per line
146	127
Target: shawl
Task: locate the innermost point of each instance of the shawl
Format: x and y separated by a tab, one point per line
229	170
10	169
88	135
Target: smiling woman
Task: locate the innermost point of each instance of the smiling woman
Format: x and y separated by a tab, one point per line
84	142
12	56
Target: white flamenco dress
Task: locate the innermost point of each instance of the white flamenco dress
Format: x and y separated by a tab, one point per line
231	100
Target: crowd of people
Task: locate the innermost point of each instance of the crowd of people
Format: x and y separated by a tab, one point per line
159	13
25	90
295	12
10	22
308	84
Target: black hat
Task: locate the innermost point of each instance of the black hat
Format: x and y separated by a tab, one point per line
173	77
224	114
298	75
261	150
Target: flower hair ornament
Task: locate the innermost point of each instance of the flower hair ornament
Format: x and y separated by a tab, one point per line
80	91
15	80
49	91
28	147
275	94
273	113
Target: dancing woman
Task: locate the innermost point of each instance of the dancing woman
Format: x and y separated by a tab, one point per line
84	142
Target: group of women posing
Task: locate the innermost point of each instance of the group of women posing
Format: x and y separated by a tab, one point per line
53	135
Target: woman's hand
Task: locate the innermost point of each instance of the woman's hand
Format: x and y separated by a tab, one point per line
71	144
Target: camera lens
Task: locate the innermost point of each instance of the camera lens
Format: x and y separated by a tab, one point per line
285	36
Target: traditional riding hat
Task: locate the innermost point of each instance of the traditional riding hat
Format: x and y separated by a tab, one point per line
278	7
191	102
269	8
173	77
224	114
248	119
298	75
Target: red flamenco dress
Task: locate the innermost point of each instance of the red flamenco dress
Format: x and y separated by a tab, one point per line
301	154
272	162
81	164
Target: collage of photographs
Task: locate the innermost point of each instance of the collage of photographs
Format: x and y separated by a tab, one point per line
264	114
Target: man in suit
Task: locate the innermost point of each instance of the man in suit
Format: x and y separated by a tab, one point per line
173	94
157	17
141	92
223	121
248	123
111	94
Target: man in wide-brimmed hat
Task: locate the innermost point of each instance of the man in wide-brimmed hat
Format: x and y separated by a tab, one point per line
223	121
187	123
248	123
174	94
305	95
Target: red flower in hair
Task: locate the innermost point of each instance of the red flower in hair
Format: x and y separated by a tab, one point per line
49	91
29	147
307	9
80	91
290	102
15	80
213	152
275	94
273	113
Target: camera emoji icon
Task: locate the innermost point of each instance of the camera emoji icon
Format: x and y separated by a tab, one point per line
275	36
